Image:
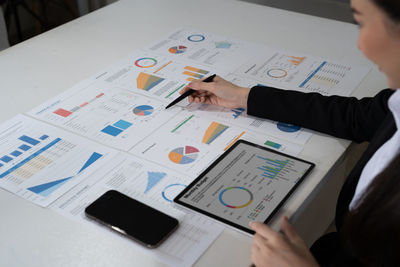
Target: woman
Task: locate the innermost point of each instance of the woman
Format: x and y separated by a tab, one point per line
375	120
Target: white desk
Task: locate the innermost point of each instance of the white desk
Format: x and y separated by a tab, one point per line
44	66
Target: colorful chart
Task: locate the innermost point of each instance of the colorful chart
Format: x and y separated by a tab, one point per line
183	155
24	147
146	62
277	73
213	131
272	144
65	113
286	127
147	81
143	110
117	128
196	38
271	168
153	178
235	197
93	158
171	191
225	45
48	188
237	112
312	74
33	160
177	49
295	60
194	73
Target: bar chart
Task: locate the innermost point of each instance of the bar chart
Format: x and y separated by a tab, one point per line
41	162
272	167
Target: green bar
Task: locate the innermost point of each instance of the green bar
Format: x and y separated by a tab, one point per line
272	144
177	127
272	169
174	91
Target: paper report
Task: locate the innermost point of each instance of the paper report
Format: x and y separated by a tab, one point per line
55	154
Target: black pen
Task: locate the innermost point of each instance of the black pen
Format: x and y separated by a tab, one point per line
189	92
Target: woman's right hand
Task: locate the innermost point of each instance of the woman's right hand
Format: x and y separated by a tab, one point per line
218	92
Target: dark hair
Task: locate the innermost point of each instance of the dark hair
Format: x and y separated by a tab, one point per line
390	7
371	232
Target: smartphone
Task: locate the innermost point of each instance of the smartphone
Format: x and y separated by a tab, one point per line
132	218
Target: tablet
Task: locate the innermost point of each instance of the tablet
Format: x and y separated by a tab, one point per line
247	183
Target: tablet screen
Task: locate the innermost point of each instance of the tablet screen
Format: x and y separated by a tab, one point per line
248	182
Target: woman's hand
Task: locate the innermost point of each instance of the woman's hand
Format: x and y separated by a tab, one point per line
218	92
272	248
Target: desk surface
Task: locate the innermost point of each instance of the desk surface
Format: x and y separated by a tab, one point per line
44	66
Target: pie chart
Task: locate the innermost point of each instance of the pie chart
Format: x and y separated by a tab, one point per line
143	110
179	49
183	155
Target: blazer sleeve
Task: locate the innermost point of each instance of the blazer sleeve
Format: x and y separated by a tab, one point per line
343	117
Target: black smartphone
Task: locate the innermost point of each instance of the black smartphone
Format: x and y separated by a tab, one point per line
132	218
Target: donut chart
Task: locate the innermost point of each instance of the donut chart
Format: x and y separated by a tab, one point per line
235	197
196	38
171	191
183	155
277	73
145	62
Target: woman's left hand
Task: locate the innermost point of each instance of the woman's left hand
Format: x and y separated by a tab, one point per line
271	248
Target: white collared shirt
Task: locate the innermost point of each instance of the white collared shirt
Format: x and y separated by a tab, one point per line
383	156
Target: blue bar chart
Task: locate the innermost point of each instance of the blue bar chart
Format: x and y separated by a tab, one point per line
40	162
272	167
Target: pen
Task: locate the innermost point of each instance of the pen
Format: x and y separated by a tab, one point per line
189	92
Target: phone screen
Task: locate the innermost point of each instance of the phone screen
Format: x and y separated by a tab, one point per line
132	218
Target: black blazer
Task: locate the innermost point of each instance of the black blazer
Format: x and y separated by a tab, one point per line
368	119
